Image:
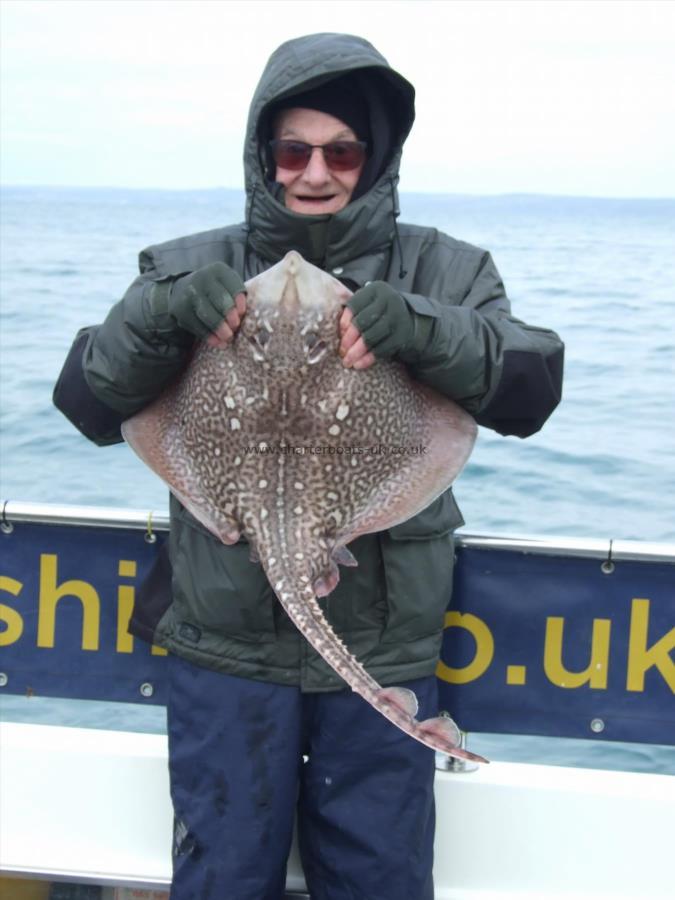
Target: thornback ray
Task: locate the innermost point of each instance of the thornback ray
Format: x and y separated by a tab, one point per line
273	439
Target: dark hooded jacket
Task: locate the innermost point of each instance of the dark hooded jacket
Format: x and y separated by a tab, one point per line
221	611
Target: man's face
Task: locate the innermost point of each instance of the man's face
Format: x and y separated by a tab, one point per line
315	189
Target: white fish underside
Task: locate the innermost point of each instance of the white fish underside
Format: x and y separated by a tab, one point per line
235	439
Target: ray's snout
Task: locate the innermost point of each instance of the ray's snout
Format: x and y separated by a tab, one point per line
296	287
292	263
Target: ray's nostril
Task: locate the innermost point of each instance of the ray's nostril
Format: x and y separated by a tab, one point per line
260	338
259	341
315	347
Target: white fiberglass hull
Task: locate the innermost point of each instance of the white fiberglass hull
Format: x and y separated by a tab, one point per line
89	805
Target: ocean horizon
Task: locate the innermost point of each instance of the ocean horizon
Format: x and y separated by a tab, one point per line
546	195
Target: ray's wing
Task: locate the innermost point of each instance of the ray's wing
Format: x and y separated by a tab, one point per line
446	437
406	444
159	435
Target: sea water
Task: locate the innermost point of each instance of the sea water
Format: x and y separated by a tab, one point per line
601	272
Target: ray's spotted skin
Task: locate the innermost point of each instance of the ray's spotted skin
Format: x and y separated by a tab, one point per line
273	438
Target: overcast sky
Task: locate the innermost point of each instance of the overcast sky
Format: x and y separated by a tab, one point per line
514	95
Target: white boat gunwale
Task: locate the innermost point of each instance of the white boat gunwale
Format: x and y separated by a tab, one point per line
96	809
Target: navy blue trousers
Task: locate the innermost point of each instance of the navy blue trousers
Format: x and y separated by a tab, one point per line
364	795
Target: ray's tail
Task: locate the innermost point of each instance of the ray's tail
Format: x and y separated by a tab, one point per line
399	705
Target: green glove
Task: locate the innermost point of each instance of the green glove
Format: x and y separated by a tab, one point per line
386	322
199	302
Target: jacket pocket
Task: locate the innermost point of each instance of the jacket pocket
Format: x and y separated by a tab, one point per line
439	518
359	603
418	563
217	587
418	578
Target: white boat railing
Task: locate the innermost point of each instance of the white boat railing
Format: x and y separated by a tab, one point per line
112	517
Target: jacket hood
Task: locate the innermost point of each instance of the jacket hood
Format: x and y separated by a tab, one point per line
367	223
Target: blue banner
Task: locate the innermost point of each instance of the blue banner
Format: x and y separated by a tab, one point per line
66	596
534	644
552	645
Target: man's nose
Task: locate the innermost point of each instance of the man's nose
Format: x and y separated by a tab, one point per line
316	171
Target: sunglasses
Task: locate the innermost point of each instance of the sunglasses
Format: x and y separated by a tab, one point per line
340	156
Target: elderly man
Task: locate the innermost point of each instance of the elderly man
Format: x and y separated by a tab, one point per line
259	726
